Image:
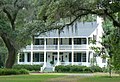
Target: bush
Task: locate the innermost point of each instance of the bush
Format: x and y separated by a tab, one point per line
13	71
70	68
96	69
75	68
28	67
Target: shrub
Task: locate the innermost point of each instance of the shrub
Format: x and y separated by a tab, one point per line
87	70
23	71
75	68
13	71
28	67
96	69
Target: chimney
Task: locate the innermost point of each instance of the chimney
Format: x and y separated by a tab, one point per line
99	20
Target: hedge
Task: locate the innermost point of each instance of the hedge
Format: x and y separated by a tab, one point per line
28	67
75	68
13	71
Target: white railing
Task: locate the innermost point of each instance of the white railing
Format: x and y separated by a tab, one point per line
38	47
65	47
77	47
51	47
35	47
42	68
55	47
28	47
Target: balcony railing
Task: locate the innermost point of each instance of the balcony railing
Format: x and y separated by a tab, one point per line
35	47
65	47
51	47
77	47
55	47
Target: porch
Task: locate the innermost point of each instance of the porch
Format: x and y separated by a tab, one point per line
61	58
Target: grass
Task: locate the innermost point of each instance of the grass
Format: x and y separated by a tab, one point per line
27	78
57	78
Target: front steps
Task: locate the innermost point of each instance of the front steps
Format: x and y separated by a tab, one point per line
48	69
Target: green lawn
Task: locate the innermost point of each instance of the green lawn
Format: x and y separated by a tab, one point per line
57	78
27	78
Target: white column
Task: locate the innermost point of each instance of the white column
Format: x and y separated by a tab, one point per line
87	42
44	51
58	56
18	60
31	53
72	51
25	58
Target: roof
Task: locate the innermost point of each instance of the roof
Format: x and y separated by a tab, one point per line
78	29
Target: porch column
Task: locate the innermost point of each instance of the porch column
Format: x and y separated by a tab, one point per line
18	60
72	51
25	58
87	42
31	62
45	51
58	56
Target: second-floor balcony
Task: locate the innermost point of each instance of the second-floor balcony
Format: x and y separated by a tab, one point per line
56	47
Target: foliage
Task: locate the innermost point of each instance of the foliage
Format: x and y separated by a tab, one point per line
3	54
28	67
13	71
111	41
56	10
18	24
51	62
75	69
96	69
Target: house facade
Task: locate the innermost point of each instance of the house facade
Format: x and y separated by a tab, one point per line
70	47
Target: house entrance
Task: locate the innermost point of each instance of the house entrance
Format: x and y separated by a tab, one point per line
55	58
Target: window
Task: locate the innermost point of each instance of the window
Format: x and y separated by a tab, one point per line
83	41
77	40
70	41
21	57
28	57
83	57
70	57
42	41
94	37
61	42
89	40
54	53
80	41
77	57
55	41
41	57
37	42
103	60
36	57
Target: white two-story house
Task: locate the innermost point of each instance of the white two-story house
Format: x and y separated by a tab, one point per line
70	47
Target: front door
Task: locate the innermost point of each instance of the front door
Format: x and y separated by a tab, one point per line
54	59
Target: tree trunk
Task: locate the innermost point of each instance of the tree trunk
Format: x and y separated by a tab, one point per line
11	51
